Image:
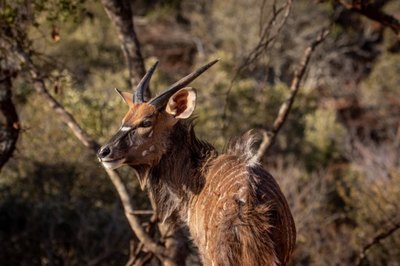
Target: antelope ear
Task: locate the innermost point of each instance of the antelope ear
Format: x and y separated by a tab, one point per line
182	103
126	96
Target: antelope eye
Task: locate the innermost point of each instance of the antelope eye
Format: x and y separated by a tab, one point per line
146	123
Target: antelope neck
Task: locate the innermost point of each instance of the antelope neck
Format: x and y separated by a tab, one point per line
180	174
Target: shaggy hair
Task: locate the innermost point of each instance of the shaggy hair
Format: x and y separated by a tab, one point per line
234	209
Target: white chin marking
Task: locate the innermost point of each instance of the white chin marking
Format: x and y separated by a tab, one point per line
113	165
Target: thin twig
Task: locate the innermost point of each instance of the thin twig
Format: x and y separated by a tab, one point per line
266	40
143	212
269	137
143	260
376	240
132	255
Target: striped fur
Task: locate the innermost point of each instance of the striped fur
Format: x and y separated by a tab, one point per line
234	209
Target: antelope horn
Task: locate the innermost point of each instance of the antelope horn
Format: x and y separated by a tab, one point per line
143	84
162	99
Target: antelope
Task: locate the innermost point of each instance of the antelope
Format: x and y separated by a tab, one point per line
234	209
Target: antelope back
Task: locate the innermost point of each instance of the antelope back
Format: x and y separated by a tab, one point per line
241	217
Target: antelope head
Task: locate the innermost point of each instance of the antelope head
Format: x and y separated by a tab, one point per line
143	136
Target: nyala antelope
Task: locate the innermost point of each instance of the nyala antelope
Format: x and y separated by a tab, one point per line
234	209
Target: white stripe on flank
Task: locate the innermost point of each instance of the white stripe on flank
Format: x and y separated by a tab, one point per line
225	179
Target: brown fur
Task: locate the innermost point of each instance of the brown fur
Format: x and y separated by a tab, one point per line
234	209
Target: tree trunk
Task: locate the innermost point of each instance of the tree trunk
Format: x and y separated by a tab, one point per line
120	13
9	123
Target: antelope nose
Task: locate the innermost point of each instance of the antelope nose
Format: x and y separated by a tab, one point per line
104	152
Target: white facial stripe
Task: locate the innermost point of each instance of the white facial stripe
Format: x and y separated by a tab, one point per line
125	128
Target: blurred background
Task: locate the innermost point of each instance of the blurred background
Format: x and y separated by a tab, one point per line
337	157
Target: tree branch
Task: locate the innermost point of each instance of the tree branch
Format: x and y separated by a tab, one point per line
120	13
373	13
376	240
269	137
9	122
134	222
65	116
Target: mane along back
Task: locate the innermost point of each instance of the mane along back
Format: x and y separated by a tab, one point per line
244	147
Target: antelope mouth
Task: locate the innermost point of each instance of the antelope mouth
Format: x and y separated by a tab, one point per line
112	163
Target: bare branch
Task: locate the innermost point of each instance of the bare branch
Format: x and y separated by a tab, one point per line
143	260
9	120
143	212
376	240
373	13
269	137
134	222
66	117
266	37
